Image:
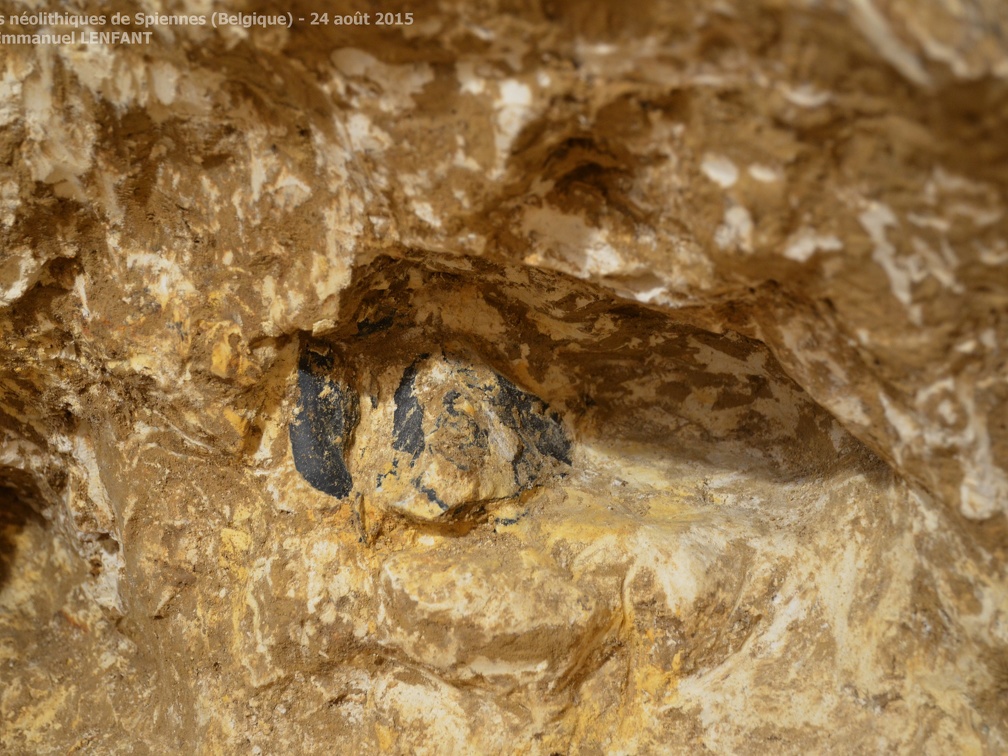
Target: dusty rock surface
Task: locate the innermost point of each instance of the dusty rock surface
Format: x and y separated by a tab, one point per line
539	377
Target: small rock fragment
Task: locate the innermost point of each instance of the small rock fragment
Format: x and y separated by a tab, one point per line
466	435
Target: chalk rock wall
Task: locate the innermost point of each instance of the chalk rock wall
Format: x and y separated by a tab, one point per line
538	377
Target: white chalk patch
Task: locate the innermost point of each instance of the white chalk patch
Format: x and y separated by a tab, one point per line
364	135
902	273
719	169
586	248
996	255
10	94
514	109
806	96
425	212
804	243
398	83
984	488
941	266
288	190
79	289
164	78
764	173
736	230
13	285
907	429
876	28
469	81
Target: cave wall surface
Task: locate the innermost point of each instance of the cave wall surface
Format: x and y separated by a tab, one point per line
537	377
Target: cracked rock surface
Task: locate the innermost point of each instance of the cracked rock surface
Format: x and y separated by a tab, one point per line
540	377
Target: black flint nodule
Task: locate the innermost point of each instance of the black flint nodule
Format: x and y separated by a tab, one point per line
325	417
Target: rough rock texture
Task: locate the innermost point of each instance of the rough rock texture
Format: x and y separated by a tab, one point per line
538	377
